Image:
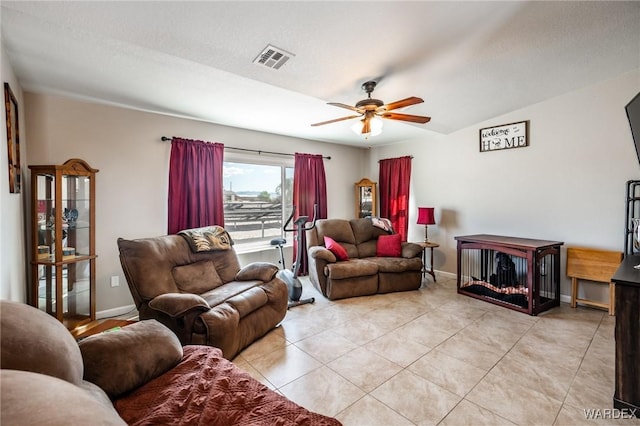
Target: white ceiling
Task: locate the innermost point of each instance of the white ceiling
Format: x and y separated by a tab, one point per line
469	61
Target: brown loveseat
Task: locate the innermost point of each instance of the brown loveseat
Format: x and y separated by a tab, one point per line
363	273
204	297
138	375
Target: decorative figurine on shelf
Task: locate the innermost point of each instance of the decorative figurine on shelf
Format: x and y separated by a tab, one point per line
70	216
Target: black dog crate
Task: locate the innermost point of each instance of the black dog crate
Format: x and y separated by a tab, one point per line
518	273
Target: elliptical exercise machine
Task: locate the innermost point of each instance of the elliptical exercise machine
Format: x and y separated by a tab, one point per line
291	277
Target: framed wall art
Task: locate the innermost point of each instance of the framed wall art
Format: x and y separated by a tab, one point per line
506	136
13	139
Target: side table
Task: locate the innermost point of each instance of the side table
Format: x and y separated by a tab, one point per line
428	245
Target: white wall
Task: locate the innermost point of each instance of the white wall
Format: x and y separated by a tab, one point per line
131	186
568	185
12	240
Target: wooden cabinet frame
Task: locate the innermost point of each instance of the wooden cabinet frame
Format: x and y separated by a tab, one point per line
365	198
63	254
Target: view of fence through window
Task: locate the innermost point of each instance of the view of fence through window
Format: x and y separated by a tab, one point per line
257	201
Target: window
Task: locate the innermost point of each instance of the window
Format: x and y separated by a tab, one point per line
257	201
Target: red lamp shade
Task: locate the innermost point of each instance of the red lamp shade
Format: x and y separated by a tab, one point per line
426	216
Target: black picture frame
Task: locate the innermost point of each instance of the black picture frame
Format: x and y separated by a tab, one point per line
505	136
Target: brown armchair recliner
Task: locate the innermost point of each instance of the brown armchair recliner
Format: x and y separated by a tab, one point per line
203	297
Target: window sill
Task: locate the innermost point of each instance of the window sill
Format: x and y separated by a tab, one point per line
256	248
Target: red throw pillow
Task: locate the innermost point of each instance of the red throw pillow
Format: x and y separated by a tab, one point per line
389	246
335	248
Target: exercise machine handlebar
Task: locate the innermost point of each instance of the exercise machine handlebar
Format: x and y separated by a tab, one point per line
302	221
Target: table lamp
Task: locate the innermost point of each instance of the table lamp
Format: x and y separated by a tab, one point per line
426	218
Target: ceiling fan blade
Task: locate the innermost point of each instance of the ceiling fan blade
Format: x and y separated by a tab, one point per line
406	117
402	103
335	120
338	104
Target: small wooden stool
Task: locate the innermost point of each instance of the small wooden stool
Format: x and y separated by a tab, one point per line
593	265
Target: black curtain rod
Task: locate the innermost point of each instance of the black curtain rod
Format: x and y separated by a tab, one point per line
410	156
168	139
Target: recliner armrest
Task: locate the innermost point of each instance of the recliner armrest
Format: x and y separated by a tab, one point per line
410	250
261	271
115	362
179	304
322	253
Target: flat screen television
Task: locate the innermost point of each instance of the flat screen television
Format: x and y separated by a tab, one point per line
633	114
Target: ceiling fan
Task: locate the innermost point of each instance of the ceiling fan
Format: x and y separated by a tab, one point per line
370	108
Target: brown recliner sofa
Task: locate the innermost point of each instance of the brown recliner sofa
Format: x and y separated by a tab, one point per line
139	374
363	273
205	298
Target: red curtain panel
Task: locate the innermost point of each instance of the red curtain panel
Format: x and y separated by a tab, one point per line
309	189
195	185
395	176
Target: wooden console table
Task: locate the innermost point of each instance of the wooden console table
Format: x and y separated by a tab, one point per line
627	386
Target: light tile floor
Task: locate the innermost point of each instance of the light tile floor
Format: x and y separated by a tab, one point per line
432	357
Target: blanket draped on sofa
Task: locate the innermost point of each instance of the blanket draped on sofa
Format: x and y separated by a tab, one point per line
207	389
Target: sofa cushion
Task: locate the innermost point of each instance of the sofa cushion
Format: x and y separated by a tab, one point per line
350	268
148	264
338	229
396	264
123	360
335	248
249	301
389	246
32	340
223	293
367	249
363	230
197	277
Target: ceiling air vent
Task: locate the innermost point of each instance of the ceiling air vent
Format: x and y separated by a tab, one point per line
272	57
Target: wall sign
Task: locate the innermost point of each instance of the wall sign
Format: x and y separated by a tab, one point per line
507	136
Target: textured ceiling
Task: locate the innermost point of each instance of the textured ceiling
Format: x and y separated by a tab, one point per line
469	61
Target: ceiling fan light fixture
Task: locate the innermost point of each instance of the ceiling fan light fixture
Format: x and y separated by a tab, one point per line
372	109
375	127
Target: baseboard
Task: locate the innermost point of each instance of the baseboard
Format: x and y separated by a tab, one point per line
115	311
446	274
566	298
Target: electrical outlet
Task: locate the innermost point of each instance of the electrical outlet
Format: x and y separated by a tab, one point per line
115	281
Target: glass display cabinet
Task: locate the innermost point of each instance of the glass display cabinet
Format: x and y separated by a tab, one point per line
365	198
63	241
